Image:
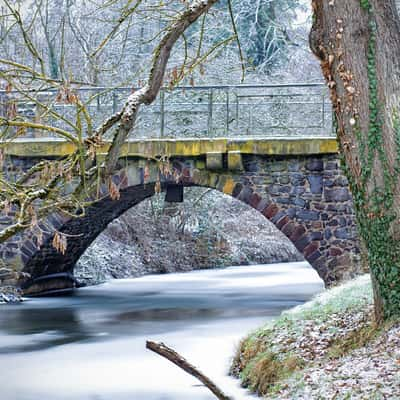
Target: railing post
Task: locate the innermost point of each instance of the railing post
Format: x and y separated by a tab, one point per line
237	111
227	111
162	112
210	111
114	102
333	124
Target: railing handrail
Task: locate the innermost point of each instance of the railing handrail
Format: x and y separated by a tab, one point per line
244	108
196	87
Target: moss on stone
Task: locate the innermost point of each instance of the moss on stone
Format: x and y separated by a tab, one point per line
151	148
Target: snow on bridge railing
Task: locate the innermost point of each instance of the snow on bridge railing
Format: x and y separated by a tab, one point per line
299	110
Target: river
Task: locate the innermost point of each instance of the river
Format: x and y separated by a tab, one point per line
91	346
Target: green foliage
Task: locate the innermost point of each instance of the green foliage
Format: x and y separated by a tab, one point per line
365	4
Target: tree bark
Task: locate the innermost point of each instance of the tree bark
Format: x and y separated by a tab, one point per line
358	44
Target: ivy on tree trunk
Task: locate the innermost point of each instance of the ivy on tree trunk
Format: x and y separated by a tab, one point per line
358	44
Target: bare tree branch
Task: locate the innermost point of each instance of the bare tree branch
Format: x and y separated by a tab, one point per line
171	355
148	93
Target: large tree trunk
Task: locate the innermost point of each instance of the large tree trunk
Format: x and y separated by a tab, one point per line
358	43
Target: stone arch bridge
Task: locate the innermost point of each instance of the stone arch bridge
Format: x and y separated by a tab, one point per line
295	183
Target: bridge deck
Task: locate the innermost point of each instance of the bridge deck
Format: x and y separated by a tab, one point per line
50	147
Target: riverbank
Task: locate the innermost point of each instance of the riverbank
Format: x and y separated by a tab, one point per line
328	348
200	233
9	294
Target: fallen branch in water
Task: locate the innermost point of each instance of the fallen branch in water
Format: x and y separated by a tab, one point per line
174	357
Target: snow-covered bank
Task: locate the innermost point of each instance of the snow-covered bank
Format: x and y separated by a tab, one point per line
328	348
157	237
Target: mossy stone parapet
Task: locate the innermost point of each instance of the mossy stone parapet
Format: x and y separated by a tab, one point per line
49	147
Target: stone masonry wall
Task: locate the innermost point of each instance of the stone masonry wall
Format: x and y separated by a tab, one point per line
306	197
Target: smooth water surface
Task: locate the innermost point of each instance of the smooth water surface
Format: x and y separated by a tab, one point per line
92	345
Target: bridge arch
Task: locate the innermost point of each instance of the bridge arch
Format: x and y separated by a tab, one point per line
306	198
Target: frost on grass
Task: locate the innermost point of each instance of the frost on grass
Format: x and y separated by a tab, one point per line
327	348
352	295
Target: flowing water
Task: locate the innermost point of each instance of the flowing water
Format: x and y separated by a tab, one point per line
91	346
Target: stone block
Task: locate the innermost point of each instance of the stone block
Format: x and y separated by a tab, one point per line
252	166
330	174
214	161
259	180
310	249
229	186
343	233
277	217
245	194
278	166
297	179
341	181
316	183
297	190
302	242
284	179
317	236
329	183
342	221
284	189
271	210
314	256
283	200
255	199
237	189
298	201
288	228
293	166
331	165
317	225
282	222
200	164
319	206
273	189
235	162
306	215
315	164
297	233
335	251
263	204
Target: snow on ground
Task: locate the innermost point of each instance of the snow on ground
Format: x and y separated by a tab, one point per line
328	348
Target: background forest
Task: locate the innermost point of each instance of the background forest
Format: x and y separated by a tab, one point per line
110	43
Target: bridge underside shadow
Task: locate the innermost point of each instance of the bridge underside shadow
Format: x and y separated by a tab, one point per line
305	199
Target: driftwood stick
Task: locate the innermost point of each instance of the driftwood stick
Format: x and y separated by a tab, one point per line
174	357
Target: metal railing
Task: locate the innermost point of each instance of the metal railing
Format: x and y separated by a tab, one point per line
301	109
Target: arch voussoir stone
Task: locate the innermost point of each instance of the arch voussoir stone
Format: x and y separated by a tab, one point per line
307	242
